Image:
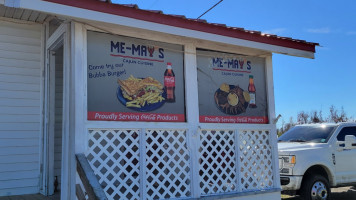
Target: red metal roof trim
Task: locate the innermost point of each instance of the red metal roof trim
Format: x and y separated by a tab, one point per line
132	11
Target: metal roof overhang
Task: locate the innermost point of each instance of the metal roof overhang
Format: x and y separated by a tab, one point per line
96	11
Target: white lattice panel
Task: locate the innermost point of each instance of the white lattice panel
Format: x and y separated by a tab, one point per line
255	160
114	158
167	164
229	161
217	161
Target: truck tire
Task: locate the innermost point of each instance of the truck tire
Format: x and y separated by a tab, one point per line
315	187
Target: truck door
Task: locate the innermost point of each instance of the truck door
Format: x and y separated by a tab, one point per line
345	159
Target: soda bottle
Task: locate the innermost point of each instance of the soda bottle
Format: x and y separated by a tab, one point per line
169	83
252	92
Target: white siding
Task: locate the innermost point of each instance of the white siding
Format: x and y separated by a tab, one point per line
20	47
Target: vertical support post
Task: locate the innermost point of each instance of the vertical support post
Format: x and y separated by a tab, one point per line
43	116
51	122
142	150
80	71
69	121
270	89
191	89
271	117
237	160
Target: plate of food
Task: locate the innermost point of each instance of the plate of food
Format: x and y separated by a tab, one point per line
231	99
141	94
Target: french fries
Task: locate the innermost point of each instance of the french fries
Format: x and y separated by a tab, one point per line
132	78
147	98
132	88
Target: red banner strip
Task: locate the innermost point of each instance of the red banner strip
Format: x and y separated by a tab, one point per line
233	119
143	117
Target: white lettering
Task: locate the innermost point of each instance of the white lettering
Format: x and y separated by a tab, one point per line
128	117
150	117
105	117
228	120
255	120
212	119
167	118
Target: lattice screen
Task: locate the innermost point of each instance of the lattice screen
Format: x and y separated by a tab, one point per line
167	164
255	160
228	165
114	158
217	161
229	161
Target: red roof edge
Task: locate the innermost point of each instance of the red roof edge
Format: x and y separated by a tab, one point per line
181	22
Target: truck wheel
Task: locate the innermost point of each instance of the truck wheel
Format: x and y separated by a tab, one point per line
315	187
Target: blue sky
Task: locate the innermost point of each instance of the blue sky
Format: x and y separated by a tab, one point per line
300	84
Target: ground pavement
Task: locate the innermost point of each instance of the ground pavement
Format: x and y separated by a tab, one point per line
342	193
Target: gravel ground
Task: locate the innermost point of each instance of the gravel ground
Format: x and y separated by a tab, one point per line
342	193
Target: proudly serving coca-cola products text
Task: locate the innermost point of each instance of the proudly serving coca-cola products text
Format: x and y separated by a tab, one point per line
169	83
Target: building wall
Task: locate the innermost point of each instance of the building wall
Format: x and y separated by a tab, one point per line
20	105
134	160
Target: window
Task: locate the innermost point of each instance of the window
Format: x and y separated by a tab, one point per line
131	79
314	134
231	88
346	131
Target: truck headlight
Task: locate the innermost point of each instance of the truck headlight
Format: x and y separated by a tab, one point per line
288	161
286	164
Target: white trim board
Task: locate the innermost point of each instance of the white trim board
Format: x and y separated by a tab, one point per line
79	13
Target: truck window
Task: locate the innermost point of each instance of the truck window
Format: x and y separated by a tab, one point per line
346	131
314	134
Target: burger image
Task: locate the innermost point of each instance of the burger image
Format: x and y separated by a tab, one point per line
140	92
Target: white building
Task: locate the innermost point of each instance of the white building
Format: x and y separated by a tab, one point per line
65	89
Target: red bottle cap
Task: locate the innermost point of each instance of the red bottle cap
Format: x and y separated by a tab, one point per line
168	63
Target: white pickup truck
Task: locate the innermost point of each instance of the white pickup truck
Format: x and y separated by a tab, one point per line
313	158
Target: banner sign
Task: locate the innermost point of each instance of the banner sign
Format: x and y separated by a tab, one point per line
232	88
131	79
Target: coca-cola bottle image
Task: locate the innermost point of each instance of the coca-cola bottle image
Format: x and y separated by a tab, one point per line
252	91
170	83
